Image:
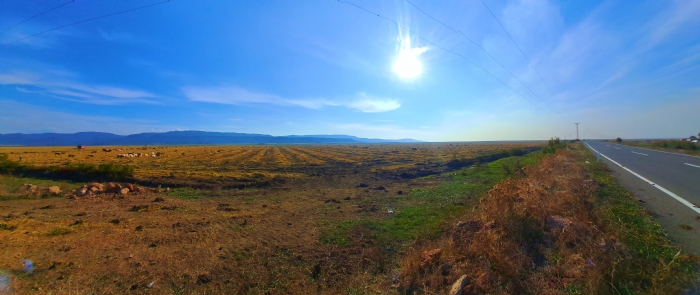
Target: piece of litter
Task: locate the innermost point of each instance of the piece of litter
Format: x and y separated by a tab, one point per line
5	284
28	266
591	262
151	284
390	212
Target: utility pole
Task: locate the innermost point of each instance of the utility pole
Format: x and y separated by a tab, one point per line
576	130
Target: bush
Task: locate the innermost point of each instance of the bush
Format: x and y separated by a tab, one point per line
7	165
553	145
680	145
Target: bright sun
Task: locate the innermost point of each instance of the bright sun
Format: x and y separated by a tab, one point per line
407	65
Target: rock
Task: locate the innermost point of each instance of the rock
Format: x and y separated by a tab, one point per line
430	256
114	187
159	199
81	192
459	285
96	187
131	187
124	191
347	198
29	190
139	190
399	193
380	188
53	191
363	185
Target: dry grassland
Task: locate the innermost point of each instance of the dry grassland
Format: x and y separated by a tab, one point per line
239	219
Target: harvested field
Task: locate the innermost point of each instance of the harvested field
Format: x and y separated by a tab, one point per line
207	234
260	165
533	224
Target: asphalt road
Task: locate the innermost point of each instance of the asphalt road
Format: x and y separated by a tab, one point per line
667	185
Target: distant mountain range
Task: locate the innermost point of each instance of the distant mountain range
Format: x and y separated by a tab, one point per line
177	138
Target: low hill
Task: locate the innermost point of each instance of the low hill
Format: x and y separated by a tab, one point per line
177	138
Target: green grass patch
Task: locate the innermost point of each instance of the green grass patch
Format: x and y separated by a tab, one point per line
76	172
654	263
11	184
185	193
423	212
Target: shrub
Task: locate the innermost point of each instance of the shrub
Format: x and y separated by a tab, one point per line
680	145
553	145
618	139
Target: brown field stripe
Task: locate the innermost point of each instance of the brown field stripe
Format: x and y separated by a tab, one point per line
300	157
327	154
304	152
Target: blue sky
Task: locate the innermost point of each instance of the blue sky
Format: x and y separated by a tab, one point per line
620	68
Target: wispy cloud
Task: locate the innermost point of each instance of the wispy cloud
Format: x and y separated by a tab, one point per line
235	95
369	104
63	86
673	19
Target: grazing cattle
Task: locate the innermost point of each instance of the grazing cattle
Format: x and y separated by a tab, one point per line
91	155
121	156
56	153
71	156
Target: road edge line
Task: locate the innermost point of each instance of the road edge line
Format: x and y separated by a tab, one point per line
661	188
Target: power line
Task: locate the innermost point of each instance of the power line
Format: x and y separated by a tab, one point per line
84	21
35	16
521	51
482	49
443	48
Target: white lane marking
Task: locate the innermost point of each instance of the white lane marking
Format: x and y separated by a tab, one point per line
677	197
616	147
639	153
692	165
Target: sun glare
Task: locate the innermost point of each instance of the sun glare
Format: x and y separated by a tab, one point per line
407	65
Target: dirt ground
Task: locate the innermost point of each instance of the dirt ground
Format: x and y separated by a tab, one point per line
209	234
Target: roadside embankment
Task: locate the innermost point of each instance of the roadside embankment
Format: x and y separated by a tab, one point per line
563	227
